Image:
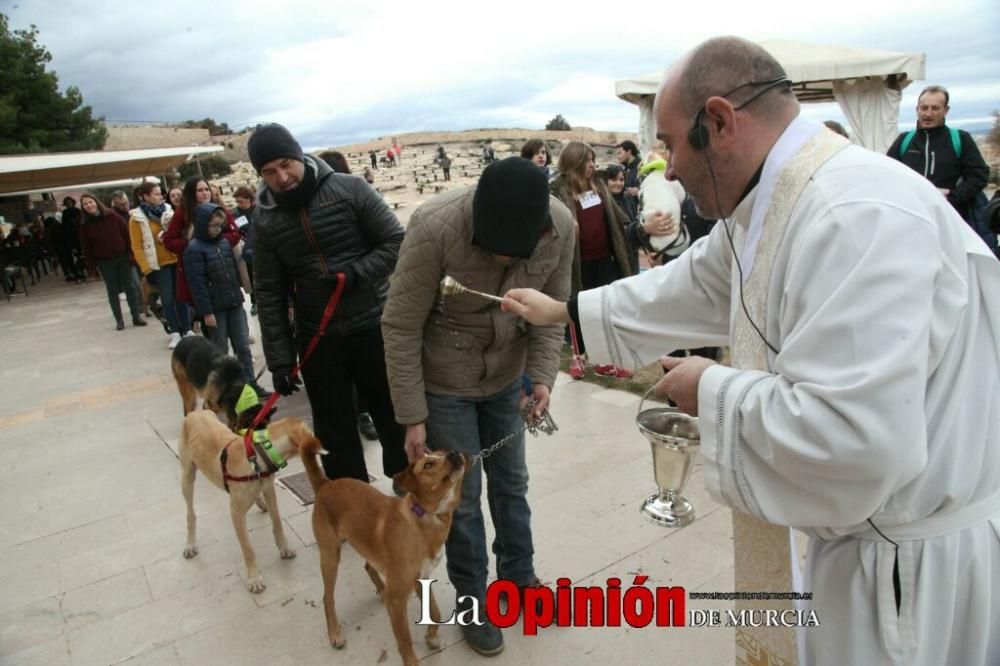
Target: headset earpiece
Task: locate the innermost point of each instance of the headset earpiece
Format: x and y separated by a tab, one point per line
698	135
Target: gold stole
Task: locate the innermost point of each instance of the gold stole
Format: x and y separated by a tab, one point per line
762	551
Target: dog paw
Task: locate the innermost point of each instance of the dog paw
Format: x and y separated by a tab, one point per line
287	553
338	642
256	585
190	551
261	504
433	642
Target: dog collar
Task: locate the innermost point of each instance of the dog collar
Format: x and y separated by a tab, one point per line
417	509
262	444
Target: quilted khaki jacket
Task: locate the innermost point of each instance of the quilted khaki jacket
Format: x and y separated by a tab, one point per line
464	345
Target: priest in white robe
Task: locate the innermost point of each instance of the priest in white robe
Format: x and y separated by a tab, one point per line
863	405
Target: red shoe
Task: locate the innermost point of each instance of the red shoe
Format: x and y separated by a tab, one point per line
577	368
613	371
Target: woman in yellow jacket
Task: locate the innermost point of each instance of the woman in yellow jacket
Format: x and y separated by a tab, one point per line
157	263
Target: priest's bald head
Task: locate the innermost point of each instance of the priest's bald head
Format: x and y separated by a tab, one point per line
720	110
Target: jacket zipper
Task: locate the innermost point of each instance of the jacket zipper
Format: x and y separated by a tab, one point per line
927	153
304	218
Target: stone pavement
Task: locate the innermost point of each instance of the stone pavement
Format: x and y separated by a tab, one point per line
93	523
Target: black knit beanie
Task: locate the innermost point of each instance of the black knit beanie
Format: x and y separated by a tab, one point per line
510	209
271	142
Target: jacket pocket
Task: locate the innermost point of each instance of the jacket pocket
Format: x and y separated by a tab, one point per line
451	358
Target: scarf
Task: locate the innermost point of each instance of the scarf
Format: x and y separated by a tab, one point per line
301	195
154	212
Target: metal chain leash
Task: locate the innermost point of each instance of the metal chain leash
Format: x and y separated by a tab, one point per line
544	423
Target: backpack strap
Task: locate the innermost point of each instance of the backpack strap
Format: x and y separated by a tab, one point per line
907	140
956	141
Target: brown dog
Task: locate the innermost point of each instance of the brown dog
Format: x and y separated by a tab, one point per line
400	538
203	437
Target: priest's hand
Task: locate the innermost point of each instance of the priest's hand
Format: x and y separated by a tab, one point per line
535	307
680	384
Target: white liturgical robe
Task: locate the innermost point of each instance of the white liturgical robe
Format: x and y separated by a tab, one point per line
882	402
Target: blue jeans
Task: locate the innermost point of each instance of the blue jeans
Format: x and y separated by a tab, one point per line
178	314
231	326
469	425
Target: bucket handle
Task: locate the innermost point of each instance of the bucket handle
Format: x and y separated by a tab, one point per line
645	396
642	401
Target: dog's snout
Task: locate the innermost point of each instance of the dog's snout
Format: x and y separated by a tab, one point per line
456	458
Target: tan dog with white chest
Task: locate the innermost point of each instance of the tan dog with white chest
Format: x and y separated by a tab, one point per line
202	441
400	538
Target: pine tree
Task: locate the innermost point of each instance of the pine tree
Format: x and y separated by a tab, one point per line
34	115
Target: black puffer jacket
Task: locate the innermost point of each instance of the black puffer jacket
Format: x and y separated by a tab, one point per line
349	225
210	267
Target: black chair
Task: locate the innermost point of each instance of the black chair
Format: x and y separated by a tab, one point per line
8	277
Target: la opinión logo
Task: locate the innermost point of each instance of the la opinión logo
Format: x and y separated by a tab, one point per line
567	605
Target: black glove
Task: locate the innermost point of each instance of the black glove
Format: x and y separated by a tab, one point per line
283	381
350	276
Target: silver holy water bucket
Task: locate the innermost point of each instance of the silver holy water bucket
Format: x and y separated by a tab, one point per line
675	439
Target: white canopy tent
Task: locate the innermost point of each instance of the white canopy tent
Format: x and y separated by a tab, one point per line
53	171
867	83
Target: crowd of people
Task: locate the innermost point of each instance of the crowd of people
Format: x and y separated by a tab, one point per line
857	304
848	440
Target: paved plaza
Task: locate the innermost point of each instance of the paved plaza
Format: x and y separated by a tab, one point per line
94	522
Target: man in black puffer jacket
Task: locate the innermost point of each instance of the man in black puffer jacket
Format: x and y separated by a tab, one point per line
312	225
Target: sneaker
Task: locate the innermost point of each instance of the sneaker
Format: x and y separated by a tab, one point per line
175	339
613	371
486	638
138	321
253	310
577	368
189	334
367	426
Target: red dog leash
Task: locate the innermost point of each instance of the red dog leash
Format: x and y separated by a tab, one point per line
331	306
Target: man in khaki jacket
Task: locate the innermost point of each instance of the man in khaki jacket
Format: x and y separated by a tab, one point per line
457	363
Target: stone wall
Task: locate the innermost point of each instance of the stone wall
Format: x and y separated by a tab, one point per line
586	134
133	137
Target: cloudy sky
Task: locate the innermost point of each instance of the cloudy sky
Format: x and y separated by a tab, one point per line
336	71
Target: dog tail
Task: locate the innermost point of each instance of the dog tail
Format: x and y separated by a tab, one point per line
308	451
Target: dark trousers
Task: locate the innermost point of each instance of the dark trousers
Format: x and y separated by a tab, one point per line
595	274
253	292
117	276
68	264
339	363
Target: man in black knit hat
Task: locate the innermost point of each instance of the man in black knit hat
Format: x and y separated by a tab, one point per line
312	225
460	369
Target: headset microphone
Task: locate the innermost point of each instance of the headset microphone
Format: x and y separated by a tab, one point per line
698	135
